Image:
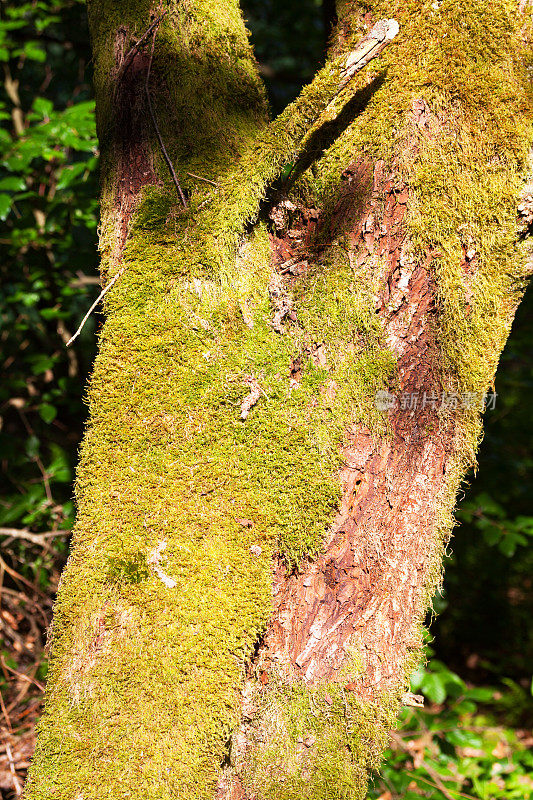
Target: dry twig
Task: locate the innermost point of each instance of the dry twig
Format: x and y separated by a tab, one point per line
156	126
16	782
34	538
100	297
205	180
429	769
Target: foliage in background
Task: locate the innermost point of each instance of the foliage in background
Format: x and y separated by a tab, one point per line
289	44
484	625
469	741
48	207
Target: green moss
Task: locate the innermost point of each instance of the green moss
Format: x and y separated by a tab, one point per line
163	598
464	169
167	458
315	743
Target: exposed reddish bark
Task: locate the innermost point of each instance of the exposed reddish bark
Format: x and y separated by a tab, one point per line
131	136
370	581
368	588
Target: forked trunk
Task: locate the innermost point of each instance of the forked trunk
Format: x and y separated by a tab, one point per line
287	392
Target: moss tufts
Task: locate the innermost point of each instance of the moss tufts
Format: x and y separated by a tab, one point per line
464	164
316	743
181	502
168	459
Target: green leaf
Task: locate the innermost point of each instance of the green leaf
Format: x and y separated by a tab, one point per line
465	707
43	106
480	694
40	363
487	505
464	738
29	299
434	687
525	525
70	173
50	313
12	184
59	468
35	52
491	534
507	545
32	446
5	206
417	678
47	412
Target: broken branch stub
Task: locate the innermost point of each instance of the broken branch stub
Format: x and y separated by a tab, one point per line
369	47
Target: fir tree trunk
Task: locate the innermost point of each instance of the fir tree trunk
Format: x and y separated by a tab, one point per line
287	392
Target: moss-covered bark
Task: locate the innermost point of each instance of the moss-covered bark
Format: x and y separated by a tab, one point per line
183	499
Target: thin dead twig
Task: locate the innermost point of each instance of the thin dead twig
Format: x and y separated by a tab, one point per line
22	675
205	180
429	769
436	786
16	782
21	695
100	297
46	481
32	707
85	280
128	58
156	126
18	577
30	606
11	635
34	538
5	713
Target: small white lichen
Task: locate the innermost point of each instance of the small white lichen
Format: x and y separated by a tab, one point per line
154	561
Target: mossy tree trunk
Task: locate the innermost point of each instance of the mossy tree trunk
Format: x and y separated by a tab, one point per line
286	394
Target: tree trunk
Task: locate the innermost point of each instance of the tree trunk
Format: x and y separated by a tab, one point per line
286	396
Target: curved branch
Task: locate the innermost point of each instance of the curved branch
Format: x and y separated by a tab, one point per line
284	138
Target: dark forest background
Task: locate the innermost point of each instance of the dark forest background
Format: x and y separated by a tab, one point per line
474	737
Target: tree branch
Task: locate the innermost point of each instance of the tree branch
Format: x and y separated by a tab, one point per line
156	126
34	538
100	297
283	140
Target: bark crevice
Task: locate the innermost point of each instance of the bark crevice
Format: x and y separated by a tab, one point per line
362	601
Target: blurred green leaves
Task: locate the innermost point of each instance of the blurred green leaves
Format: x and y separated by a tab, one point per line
289	44
461	744
48	209
490	518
